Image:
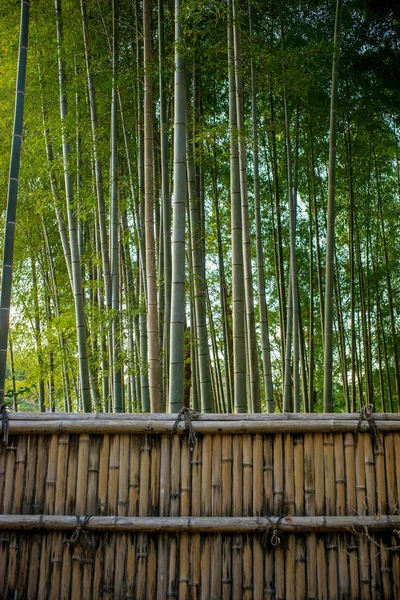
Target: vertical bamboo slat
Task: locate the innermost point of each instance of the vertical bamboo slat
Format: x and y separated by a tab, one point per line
103	476
72	471
9	476
216	510
93	475
331	546
33	567
258	494
237	507
319	475
185	497
20	461
113	476
309	507
226	510
165	478
247	510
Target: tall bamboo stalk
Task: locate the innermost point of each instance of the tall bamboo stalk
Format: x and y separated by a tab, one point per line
330	239
178	228
152	314
8	249
75	258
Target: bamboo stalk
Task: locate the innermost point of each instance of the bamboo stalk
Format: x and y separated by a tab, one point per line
16	417
320	524
19	476
33	571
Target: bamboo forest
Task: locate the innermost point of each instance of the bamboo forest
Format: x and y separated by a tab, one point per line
202	205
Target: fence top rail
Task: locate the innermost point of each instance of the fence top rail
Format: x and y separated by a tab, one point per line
158	423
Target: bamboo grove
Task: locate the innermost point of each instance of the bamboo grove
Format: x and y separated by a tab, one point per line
176	243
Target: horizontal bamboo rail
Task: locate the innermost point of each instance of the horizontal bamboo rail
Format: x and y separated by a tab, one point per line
202	524
50	423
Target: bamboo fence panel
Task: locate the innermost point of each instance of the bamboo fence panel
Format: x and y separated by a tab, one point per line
168	520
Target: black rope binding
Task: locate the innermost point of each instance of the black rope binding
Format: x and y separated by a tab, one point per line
366	414
81	534
4	423
187	415
273	536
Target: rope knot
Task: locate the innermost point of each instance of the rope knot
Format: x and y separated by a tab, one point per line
4	423
366	414
81	534
273	536
187	415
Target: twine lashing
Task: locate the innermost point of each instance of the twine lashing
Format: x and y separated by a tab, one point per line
366	414
81	534
4	423
187	415
273	536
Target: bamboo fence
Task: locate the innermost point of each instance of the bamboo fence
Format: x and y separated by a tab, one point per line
261	506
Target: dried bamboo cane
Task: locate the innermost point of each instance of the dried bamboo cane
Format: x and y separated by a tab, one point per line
184	542
301	571
289	510
98	578
9	477
72	475
298	450
123	476
309	506
382	506
134	469
113	476
165	478
130	567
376	584
174	510
278	474
66	569
340	481
370	481
319	474
22	569
351	547
42	451
206	509
119	573
257	509
248	585
151	571
226	475
56	564
19	477
330	500
108	567
365	588
390	473
247	475
102	499
397	465
12	566
33	570
61	483
237	508
350	478
3	455
43	589
205	567
93	475
4	543
51	476
289	571
216	510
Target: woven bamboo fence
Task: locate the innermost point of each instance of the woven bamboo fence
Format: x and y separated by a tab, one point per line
261	506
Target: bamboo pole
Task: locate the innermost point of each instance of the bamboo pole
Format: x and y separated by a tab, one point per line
134	425
292	524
